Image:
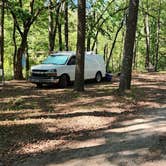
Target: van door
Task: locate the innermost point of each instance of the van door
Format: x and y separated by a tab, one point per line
71	67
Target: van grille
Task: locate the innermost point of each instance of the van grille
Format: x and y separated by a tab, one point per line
39	73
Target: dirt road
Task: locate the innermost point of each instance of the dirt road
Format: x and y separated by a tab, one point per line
132	142
96	128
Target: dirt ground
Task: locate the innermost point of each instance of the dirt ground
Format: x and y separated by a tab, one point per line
59	127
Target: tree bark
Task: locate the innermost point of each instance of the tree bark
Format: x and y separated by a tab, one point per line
80	53
60	35
53	23
158	37
27	62
51	34
2	4
125	77
88	43
66	27
105	52
147	34
121	50
15	48
21	50
135	54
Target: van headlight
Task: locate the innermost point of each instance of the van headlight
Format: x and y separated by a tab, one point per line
52	72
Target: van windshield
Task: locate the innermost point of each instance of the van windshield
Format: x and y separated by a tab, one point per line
55	59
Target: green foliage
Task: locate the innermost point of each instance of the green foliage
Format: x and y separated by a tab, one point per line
107	27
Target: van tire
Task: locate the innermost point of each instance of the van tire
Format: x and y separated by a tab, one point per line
63	81
98	77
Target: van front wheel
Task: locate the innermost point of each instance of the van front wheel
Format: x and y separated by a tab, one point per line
98	77
63	82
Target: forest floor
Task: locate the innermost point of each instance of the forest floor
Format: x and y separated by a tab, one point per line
51	126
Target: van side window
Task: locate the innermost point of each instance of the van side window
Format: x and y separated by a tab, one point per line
72	61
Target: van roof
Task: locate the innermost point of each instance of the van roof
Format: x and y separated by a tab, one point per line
71	53
68	53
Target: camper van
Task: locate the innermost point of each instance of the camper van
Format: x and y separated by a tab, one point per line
60	68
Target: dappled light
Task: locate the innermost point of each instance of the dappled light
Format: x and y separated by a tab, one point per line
61	127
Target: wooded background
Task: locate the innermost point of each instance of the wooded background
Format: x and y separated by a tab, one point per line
34	28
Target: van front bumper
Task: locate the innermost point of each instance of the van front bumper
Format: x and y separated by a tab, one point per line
44	80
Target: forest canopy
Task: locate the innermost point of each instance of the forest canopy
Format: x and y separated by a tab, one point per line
52	26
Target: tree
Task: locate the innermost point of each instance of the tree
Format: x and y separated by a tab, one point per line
23	20
66	26
2	38
80	53
158	36
53	14
126	71
147	33
113	45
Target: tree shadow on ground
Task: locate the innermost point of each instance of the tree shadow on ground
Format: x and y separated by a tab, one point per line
115	142
26	127
117	146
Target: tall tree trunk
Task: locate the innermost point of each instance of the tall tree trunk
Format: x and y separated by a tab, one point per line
80	55
66	27
27	62
125	77
147	34
20	51
60	35
53	23
135	53
88	43
105	52
15	48
121	51
51	34
158	37
2	38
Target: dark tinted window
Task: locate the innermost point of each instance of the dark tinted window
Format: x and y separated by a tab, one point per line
72	61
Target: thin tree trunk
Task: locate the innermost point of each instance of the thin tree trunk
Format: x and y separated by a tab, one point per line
88	43
121	51
18	70
135	54
66	26
51	34
60	35
53	23
105	52
21	50
158	37
125	77
113	45
95	41
27	62
15	48
80	55
2	4
147	34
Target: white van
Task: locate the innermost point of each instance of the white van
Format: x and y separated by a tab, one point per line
60	68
